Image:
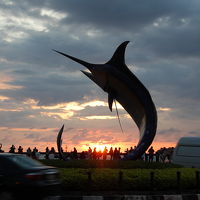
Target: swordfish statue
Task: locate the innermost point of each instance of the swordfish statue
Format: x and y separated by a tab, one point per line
115	78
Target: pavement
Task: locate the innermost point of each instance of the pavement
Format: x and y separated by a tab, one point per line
127	197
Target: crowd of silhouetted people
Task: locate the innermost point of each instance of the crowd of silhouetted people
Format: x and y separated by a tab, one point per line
111	154
151	155
30	153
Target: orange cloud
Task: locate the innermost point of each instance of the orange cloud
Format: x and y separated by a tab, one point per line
5	82
11	110
60	115
98	117
4	98
27	129
164	109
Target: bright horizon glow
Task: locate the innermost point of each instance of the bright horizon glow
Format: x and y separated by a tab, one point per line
99	146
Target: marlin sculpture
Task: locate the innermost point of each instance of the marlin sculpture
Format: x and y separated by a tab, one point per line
115	78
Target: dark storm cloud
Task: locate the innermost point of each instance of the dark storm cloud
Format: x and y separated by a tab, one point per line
22	119
169	131
130	18
174	78
174	40
195	133
118	14
27	72
49	88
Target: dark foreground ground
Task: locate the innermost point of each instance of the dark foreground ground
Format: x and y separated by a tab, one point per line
136	182
61	193
106	195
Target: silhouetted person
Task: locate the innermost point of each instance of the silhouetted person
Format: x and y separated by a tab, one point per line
1	151
105	151
52	153
151	154
170	153
89	153
12	149
47	153
115	153
99	154
75	154
131	149
34	153
37	154
94	154
28	152
52	150
20	149
119	151
160	153
157	157
166	153
111	153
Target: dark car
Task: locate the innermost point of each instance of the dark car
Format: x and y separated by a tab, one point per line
19	172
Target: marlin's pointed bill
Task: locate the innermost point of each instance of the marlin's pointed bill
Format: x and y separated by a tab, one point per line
86	64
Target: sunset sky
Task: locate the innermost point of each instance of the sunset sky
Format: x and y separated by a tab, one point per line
41	90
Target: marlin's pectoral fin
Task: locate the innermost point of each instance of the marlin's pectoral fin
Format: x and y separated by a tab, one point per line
110	101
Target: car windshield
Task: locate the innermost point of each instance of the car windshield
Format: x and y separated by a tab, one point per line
24	161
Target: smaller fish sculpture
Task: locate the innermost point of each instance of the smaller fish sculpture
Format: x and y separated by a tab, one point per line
59	144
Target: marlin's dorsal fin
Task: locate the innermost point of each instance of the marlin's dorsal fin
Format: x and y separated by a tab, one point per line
118	57
110	101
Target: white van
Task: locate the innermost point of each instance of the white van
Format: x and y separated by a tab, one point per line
187	152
